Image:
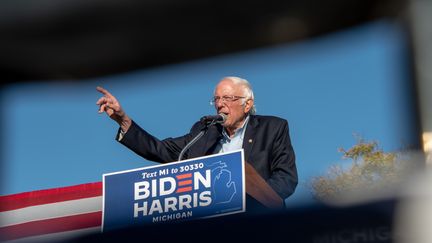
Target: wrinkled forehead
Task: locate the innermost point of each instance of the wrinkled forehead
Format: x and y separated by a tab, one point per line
228	87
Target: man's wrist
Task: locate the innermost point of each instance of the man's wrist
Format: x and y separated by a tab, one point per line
121	134
125	124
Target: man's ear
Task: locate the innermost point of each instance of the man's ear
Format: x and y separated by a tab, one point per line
248	106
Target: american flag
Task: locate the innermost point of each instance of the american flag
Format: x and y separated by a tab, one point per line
51	214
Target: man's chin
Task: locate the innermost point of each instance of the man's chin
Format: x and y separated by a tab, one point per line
226	124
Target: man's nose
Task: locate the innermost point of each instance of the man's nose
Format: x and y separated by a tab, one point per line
219	104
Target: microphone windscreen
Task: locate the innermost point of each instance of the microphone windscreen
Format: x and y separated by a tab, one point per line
224	117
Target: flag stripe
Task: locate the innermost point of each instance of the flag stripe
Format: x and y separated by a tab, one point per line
54	225
51	210
33	198
64	236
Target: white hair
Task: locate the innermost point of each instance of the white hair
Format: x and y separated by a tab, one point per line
247	91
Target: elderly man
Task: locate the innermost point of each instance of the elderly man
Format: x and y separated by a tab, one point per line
265	139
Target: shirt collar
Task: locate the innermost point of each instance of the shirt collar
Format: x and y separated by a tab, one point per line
238	132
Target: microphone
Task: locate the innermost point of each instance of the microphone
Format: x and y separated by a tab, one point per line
208	121
219	118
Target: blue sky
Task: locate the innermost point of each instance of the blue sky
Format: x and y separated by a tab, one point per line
328	88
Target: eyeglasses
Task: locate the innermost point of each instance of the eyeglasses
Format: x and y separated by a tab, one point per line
225	99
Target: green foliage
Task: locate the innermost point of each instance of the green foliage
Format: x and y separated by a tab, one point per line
371	169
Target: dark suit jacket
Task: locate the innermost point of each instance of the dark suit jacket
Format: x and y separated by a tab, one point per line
267	147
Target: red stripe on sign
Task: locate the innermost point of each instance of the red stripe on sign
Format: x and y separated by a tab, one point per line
179	177
33	198
184	189
49	226
186	182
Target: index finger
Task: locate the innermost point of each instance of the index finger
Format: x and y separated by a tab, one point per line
103	91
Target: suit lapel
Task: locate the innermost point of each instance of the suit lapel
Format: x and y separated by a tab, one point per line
249	136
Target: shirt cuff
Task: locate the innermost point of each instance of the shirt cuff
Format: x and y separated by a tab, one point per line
121	134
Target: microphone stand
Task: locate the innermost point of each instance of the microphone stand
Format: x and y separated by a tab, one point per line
196	138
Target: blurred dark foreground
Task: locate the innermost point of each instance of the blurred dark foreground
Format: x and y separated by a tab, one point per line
370	222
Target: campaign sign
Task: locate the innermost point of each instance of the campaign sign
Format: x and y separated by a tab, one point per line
207	186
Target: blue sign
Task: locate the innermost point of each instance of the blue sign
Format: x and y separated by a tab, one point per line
202	187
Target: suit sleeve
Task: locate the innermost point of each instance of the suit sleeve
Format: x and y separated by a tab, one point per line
149	147
283	177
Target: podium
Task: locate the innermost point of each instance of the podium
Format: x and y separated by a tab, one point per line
258	189
208	186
